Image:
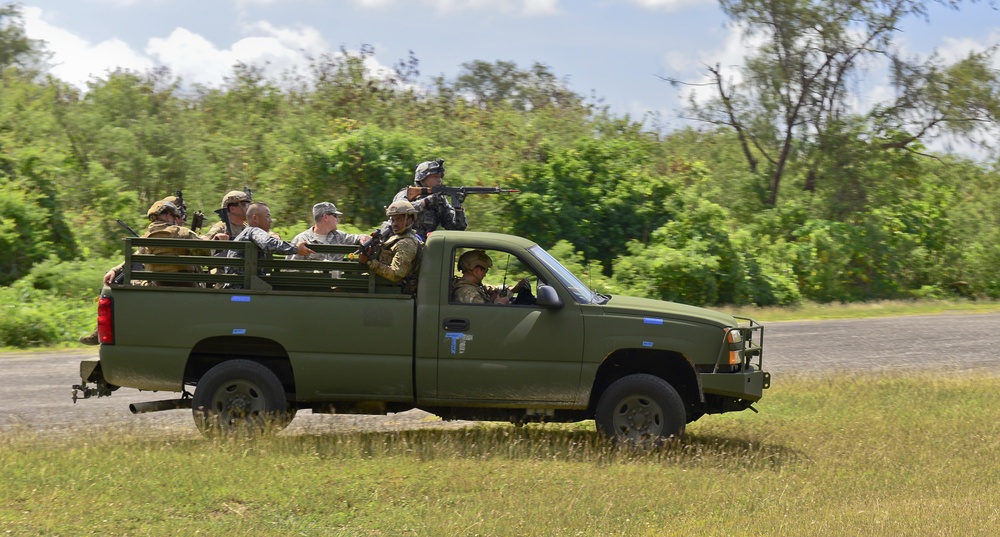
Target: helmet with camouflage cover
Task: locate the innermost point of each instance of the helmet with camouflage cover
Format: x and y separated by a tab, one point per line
160	207
472	259
424	169
400	207
233	197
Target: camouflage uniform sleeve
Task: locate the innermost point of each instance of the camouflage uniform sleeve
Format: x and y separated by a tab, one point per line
468	294
301	237
451	218
218	227
403	254
353	238
268	243
186	233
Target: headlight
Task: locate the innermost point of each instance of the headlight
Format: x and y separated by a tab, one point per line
735	340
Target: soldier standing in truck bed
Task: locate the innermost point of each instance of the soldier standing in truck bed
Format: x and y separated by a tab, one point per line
433	211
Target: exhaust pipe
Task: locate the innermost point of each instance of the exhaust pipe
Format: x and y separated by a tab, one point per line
156	406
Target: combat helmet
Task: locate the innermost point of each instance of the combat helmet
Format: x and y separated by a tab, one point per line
179	203
431	167
400	207
472	259
233	197
160	207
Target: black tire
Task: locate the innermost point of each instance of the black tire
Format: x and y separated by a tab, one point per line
640	408
240	395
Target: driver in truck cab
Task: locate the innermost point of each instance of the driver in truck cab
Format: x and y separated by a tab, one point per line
470	289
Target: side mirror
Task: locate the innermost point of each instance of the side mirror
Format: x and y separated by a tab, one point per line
548	298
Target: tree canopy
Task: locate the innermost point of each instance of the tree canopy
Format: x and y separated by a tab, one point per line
692	215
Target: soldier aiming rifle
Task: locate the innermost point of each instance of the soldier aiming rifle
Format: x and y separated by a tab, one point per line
429	199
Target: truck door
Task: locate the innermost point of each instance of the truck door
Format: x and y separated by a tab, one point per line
509	353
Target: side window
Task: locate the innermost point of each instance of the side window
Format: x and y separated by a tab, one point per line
484	276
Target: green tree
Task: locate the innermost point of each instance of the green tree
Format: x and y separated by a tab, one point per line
597	194
795	91
16	48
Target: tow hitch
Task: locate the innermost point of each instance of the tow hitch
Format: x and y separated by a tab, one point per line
90	371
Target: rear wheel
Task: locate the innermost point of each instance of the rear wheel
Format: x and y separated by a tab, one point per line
240	395
640	408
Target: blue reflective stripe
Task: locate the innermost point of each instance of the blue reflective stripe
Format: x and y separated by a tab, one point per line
240	298
239	331
652	320
647	343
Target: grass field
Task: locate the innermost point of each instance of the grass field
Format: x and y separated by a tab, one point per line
843	455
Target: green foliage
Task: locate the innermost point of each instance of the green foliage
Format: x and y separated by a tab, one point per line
692	215
598	194
360	170
16	48
52	305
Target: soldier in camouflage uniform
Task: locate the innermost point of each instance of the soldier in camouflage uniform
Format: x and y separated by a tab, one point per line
470	289
433	211
166	224
257	231
399	259
326	216
235	203
163	223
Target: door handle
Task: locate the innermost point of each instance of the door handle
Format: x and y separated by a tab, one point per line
457	325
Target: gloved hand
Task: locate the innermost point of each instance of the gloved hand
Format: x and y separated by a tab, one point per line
434	199
457	199
521	286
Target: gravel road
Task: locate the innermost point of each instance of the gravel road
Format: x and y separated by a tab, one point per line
35	394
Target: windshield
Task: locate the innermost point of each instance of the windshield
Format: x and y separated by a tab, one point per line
580	292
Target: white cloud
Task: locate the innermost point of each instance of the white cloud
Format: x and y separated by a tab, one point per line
76	60
528	8
955	49
692	67
305	38
670	5
275	49
188	55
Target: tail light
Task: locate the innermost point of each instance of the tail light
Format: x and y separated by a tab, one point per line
105	321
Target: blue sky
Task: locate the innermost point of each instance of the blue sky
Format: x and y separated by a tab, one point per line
612	49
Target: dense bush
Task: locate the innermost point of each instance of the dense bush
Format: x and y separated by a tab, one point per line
54	304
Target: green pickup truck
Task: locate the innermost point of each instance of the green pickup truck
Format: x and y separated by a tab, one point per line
278	336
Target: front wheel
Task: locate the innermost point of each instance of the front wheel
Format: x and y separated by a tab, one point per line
639	408
240	395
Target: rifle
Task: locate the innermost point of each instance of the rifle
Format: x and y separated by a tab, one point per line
223	213
120	278
414	192
124	225
372	248
197	219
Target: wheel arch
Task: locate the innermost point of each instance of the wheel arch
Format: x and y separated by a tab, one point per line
215	350
673	367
